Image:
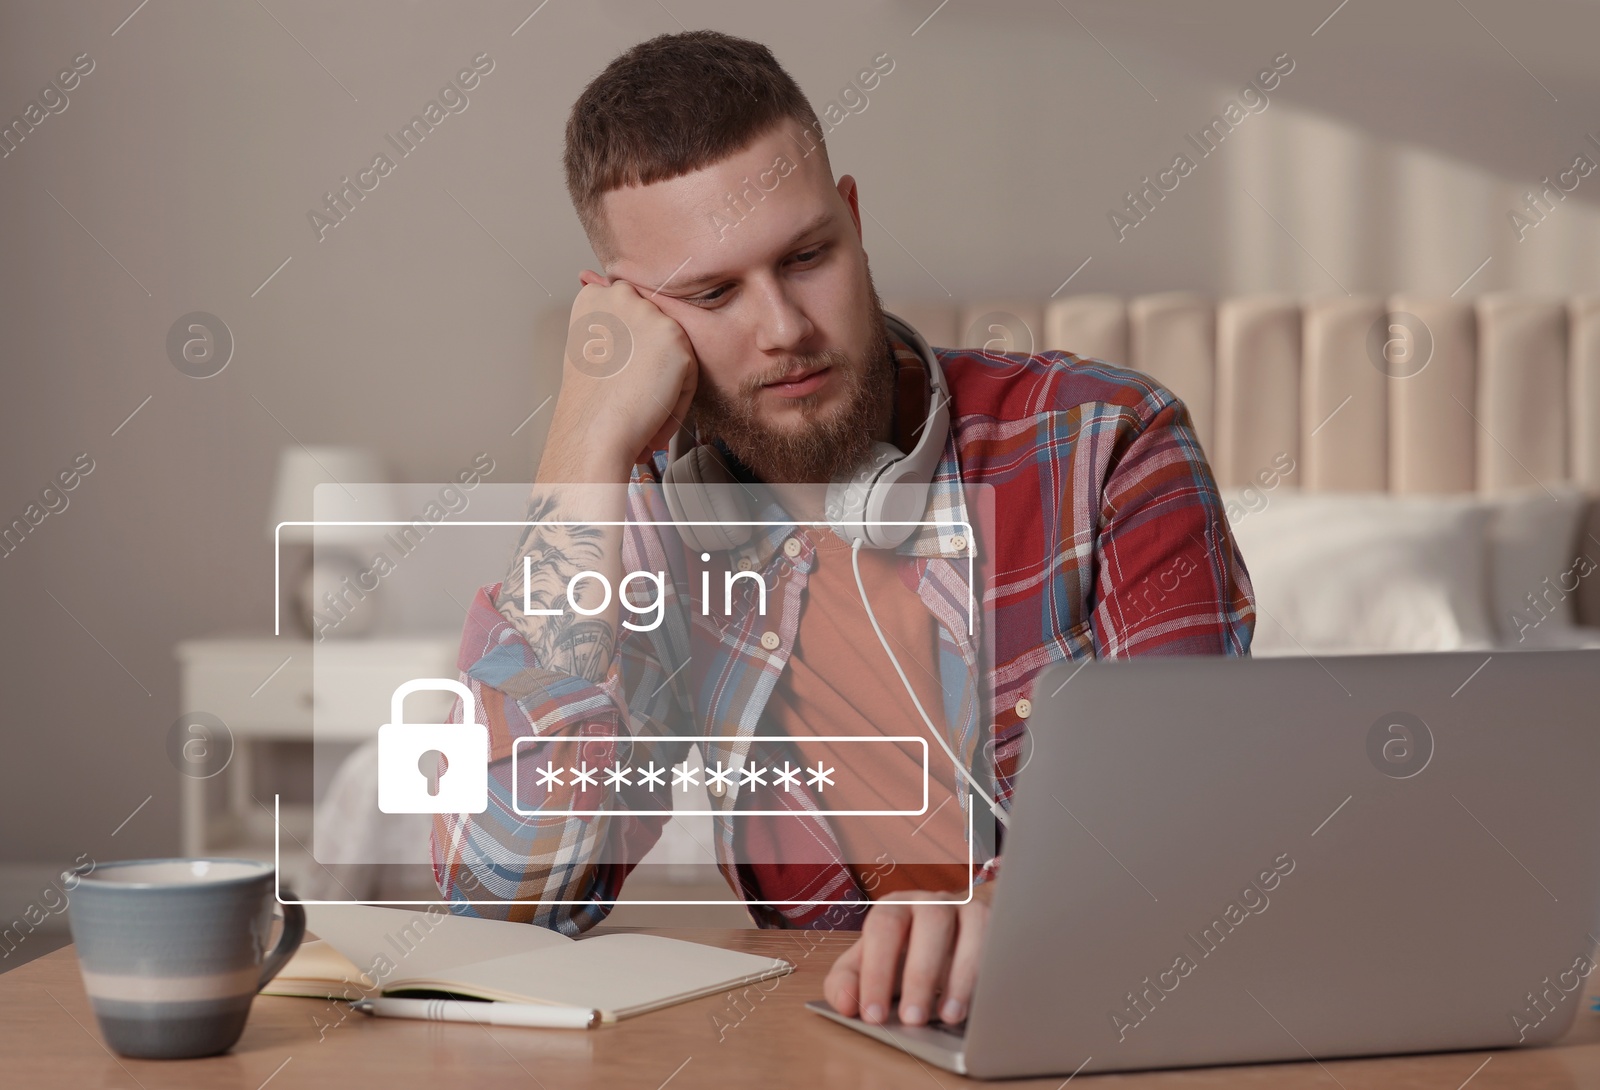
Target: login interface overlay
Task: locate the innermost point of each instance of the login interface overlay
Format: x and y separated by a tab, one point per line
709	726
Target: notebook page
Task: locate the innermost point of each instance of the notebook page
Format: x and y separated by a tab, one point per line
390	943
619	975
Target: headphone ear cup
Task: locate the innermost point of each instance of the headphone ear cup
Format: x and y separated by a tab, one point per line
894	505
892	486
722	503
850	502
697	488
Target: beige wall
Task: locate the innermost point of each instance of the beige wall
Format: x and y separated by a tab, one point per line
182	171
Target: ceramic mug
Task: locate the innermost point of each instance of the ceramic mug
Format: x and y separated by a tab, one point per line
172	951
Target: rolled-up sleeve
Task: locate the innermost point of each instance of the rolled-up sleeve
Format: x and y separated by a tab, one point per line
506	863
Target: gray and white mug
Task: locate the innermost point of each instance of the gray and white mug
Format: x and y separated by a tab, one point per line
173	951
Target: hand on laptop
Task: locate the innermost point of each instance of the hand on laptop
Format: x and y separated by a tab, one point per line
940	946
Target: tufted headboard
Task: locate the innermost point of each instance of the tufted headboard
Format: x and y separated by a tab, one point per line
1401	395
1410	394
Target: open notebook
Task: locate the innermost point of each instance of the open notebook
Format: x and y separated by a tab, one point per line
366	950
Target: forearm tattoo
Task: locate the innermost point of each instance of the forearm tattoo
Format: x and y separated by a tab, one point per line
570	642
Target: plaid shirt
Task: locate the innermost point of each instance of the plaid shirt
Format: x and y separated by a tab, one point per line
1111	540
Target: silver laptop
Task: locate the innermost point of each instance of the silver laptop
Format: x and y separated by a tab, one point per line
1222	860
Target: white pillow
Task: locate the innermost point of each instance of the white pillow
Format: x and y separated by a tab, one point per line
1346	573
1533	551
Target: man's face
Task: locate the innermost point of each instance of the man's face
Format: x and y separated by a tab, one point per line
775	295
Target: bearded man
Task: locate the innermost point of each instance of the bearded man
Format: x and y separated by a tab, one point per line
736	322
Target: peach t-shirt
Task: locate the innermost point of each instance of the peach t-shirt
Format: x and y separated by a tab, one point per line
839	681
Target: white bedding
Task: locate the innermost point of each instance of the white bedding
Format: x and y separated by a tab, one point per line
1347	573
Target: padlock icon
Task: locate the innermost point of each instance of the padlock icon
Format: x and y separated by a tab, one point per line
433	768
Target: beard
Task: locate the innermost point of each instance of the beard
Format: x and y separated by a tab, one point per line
827	443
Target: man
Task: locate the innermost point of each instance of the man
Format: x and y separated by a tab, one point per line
758	313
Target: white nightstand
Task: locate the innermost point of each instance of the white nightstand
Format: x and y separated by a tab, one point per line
262	690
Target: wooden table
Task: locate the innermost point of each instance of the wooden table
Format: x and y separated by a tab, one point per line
48	1038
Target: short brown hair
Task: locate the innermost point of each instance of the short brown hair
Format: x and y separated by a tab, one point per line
670	106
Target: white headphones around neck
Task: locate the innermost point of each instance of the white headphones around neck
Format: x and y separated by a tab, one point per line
860	505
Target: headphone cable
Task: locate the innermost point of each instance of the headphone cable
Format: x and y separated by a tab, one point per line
938	736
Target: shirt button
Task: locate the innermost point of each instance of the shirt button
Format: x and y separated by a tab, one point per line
717	789
745	563
1024	708
958	543
770	640
791	548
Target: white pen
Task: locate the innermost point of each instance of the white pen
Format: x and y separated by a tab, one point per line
492	1014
